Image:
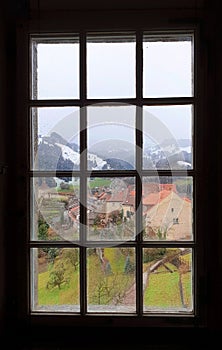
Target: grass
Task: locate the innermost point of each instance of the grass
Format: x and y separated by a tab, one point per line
99	182
67	294
162	290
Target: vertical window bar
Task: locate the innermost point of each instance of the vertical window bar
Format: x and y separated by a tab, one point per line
139	65
83	168
198	289
139	144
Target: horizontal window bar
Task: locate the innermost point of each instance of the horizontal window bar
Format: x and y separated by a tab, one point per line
114	101
112	173
92	244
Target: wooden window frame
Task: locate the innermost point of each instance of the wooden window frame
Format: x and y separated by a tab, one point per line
85	24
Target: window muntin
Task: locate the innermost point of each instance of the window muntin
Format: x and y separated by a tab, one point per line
139	243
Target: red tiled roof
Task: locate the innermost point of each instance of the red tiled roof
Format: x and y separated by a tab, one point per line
151	199
187	199
74	209
154	198
150	188
104	196
168	187
164	194
117	197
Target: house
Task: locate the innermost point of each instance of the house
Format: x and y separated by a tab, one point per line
168	215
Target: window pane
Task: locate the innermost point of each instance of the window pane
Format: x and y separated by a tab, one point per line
111	66
55	279
111	137
167	133
168	66
111	280
55	211
168	208
168	280
111	208
55	138
55	68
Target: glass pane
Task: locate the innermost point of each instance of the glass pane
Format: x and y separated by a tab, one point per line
167	137
111	280
168	208
55	208
111	137
168	66
168	280
55	138
111	208
55	279
55	68
111	66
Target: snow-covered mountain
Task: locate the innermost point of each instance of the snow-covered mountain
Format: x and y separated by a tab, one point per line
55	153
171	154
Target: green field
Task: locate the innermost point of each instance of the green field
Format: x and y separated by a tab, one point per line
162	291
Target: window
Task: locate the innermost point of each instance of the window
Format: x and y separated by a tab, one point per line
112	174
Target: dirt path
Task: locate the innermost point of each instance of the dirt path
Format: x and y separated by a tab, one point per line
130	297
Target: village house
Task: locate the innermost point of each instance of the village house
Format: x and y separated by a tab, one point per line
167	215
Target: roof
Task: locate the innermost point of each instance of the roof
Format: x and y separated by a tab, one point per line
154	198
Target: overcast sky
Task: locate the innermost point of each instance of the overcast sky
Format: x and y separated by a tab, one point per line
111	74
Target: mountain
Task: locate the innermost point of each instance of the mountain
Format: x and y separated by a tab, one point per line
118	164
55	153
170	154
119	154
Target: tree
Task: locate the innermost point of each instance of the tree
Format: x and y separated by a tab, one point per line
50	181
151	254
129	266
57	277
161	233
72	255
111	289
64	186
52	253
42	229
